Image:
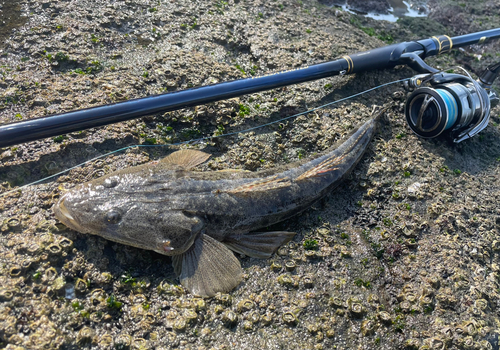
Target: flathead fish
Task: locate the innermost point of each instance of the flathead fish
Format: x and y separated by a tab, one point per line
199	218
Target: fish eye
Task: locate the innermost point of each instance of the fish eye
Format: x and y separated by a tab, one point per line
110	182
113	217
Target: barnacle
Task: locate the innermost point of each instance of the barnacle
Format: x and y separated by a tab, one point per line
229	319
290	265
245	305
66	243
481	304
15	271
224	299
310	254
289	318
50	274
308	281
276	266
84	336
190	315
54	249
247	326
385	317
80	285
123	341
267	319
412	344
368	327
253	316
337	302
287	280
356	309
436	343
180	324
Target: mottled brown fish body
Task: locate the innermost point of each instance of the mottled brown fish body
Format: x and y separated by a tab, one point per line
196	216
241	201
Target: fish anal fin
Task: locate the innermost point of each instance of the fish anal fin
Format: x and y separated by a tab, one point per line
260	185
208	267
186	158
258	244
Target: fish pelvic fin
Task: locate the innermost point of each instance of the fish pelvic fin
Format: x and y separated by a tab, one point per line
261	185
186	158
208	267
258	244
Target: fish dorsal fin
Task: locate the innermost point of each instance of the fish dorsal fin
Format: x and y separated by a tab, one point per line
186	158
208	267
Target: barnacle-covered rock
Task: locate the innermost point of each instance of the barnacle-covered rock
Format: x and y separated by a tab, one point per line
76	54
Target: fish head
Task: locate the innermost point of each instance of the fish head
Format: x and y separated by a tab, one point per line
128	216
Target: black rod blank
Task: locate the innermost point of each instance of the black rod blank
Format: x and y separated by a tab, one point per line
380	58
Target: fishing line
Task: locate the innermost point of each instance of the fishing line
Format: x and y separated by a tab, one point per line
201	139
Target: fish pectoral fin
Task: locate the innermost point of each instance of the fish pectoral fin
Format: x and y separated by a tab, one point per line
186	158
208	267
258	244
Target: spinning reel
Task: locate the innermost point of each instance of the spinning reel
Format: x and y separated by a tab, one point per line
450	104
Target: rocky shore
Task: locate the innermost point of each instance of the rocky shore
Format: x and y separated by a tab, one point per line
404	255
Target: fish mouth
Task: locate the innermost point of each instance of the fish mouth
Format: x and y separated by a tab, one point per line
63	214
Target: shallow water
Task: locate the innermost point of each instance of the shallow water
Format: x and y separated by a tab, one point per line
398	9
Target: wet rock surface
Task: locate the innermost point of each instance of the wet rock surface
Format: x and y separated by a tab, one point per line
405	254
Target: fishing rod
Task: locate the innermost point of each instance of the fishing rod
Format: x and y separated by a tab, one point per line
462	111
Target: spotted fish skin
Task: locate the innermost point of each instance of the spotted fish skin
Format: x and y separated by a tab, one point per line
199	217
